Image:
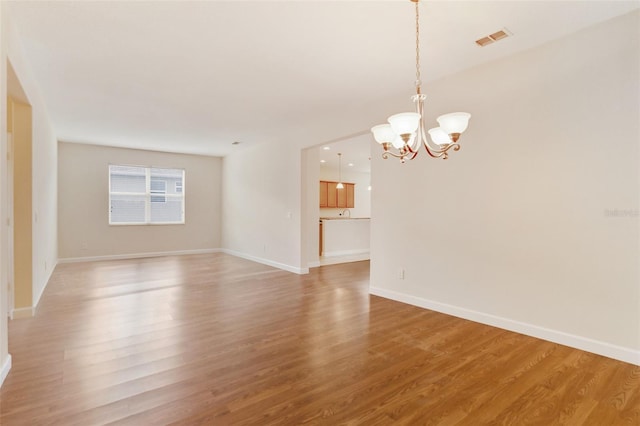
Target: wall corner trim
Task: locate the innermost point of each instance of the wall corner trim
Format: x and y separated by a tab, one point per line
5	369
289	268
578	342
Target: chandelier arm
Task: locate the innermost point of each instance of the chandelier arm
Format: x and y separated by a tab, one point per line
422	134
441	152
386	154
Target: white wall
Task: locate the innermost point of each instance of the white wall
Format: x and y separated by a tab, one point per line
5	358
44	177
362	200
83	200
310	213
515	230
261	204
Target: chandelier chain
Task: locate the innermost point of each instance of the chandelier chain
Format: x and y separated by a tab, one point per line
418	82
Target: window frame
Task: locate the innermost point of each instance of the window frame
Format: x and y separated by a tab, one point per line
147	196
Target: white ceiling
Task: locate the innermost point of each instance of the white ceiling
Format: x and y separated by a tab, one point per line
193	77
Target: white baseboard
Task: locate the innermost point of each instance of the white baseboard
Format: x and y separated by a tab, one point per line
18	313
344	252
278	265
137	255
5	369
597	347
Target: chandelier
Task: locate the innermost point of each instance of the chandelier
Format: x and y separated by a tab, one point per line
402	136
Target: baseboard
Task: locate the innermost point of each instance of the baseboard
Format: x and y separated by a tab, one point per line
18	313
137	255
5	369
597	347
344	252
268	262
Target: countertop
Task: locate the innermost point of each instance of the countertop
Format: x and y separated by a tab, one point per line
344	218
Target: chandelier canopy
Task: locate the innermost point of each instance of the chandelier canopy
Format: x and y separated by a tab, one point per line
402	136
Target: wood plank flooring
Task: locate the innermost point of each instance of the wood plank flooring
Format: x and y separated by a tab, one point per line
218	340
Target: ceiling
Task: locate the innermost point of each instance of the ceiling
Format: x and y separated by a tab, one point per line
195	76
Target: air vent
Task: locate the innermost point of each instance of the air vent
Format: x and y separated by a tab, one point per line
498	35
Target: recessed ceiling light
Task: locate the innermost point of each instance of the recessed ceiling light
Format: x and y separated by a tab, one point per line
326	148
350	164
323	161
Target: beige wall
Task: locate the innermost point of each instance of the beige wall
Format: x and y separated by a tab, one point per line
83	200
518	229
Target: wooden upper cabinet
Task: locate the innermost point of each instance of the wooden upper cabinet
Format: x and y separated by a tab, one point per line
332	194
323	194
349	188
342	196
331	197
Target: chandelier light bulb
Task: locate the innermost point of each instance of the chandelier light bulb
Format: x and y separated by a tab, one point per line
404	123
383	133
455	122
439	136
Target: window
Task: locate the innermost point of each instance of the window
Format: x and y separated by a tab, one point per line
138	195
158	191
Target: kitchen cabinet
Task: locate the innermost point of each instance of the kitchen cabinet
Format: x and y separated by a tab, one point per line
323	194
332	194
331	197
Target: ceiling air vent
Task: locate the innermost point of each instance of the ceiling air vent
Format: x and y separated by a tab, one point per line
498	35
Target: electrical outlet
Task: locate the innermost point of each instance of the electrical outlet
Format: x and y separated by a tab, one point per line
401	274
45	266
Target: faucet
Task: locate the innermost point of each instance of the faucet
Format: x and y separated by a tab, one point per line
344	212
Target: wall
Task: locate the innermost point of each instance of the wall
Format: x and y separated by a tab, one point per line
310	214
5	358
20	126
44	182
261	204
362	200
83	201
533	226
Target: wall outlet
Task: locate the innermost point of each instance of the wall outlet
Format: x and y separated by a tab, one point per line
401	274
45	266
264	248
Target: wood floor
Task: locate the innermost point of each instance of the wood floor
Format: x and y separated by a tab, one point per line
217	340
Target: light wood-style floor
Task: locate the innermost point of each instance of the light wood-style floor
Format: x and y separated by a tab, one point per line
217	340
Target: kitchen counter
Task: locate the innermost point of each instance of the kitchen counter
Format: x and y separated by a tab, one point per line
345	236
345	218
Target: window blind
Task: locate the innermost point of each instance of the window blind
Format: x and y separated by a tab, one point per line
144	195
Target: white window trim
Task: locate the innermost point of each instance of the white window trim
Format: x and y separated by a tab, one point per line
147	196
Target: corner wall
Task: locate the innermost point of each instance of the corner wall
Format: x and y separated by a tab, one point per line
534	224
83	201
261	205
